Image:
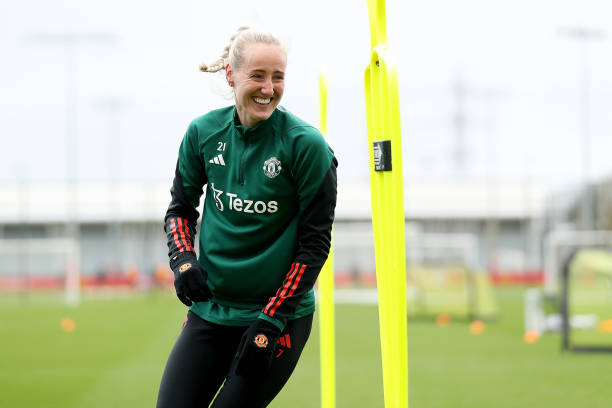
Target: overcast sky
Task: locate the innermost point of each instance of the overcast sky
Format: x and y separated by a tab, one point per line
507	69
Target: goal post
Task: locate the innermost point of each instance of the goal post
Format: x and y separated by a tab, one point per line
39	263
443	270
586	301
558	247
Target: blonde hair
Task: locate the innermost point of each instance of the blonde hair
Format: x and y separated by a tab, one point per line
233	53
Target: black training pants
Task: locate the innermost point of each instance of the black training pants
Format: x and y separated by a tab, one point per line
202	360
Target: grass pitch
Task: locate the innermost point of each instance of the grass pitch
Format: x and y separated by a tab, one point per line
115	356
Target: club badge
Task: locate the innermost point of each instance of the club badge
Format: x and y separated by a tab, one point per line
261	341
184	267
272	167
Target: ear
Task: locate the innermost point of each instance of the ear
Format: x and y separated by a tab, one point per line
228	75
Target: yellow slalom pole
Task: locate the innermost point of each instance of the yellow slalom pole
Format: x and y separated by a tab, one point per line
378	22
388	219
326	293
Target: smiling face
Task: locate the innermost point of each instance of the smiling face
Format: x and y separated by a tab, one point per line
258	83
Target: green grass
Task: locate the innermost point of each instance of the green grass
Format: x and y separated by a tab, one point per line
116	354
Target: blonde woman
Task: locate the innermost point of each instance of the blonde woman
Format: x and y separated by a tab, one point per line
270	185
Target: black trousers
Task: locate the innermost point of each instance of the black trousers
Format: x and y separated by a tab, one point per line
201	367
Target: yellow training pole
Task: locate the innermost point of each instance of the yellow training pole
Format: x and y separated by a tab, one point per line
326	294
388	220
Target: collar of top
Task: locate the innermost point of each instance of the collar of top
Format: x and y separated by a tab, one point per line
259	130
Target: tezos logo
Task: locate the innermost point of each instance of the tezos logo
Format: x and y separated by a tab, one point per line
272	167
239	204
261	341
217	196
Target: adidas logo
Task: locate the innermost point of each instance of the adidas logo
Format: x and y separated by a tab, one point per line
218	160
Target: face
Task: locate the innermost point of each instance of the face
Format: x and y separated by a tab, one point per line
259	83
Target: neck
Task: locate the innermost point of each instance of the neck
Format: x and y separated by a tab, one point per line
242	117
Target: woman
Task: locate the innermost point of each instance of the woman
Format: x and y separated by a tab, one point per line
270	182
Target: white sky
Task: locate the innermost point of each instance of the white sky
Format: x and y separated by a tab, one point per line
521	107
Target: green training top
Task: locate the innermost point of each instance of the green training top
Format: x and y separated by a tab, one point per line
266	221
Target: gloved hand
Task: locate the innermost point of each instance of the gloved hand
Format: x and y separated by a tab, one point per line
189	278
256	348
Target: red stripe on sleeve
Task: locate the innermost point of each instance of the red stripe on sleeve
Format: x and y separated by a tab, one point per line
288	340
293	287
180	227
283	289
189	248
175	235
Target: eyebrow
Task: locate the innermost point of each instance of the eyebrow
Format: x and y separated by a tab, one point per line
263	70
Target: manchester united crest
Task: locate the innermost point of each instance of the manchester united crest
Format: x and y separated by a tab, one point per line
184	267
261	341
272	167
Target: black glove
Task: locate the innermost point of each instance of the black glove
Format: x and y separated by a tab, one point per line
189	278
256	348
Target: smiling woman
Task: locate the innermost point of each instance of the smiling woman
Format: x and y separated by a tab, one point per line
270	183
254	64
259	83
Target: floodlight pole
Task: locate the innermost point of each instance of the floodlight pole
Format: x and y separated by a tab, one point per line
584	35
70	42
113	105
459	153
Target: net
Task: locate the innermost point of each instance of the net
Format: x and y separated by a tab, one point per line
587	301
40	264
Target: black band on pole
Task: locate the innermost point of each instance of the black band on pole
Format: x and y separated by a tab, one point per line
382	155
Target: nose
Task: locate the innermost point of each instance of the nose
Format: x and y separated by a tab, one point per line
267	88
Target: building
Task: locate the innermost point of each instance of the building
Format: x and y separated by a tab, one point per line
502	226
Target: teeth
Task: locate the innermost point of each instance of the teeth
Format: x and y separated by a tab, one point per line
262	100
